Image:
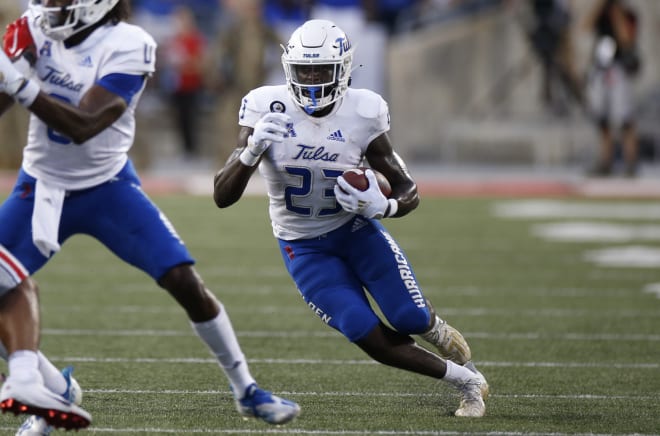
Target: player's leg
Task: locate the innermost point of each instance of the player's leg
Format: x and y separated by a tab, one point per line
210	321
383	267
25	390
28	388
56	381
450	342
335	294
623	117
400	351
451	345
386	272
146	239
630	144
598	97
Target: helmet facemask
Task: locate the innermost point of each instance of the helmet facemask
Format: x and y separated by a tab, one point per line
61	22
317	65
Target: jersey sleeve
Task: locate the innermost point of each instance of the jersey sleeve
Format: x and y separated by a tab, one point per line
250	110
135	55
374	109
124	85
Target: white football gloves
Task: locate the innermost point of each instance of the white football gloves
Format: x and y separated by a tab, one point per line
15	84
370	203
272	127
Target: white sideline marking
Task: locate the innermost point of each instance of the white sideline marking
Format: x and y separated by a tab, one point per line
474	311
332	334
580	231
368	394
652	288
292	431
526	209
195	360
633	256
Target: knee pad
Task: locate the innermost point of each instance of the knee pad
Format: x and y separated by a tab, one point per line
410	320
355	324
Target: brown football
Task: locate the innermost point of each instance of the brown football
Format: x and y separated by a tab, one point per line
357	179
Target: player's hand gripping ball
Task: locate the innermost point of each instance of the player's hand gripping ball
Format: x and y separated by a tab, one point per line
361	191
357	179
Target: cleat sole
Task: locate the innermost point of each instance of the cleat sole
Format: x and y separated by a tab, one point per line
67	421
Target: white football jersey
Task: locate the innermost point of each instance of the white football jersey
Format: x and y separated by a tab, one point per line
68	74
300	172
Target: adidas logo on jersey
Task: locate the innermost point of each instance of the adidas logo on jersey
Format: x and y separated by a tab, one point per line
290	132
336	136
86	62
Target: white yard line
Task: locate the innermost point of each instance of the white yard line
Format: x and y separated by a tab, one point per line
343	362
331	334
296	431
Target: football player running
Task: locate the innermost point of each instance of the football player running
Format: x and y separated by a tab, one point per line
80	70
302	136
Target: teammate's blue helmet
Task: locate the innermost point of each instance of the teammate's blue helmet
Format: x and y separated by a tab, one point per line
317	64
60	22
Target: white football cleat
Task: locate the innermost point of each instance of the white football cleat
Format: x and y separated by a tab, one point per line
485	389
35	399
450	342
36	425
261	404
472	404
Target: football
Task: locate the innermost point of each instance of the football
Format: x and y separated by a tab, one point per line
357	179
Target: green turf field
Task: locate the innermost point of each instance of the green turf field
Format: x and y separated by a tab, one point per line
569	347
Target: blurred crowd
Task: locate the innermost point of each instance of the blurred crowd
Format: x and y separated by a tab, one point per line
211	52
605	89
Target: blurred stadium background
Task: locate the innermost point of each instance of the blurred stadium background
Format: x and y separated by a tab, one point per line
462	78
552	276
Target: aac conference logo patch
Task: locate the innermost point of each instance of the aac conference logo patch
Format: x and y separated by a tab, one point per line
277	106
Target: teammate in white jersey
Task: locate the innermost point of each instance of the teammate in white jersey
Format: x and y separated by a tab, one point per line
302	136
80	69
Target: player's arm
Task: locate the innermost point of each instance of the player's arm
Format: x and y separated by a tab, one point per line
5	103
98	109
230	182
382	157
101	105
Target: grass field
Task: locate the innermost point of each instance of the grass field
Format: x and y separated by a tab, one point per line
568	347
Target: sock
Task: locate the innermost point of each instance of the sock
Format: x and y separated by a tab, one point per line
24	366
470	365
457	375
218	334
53	378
